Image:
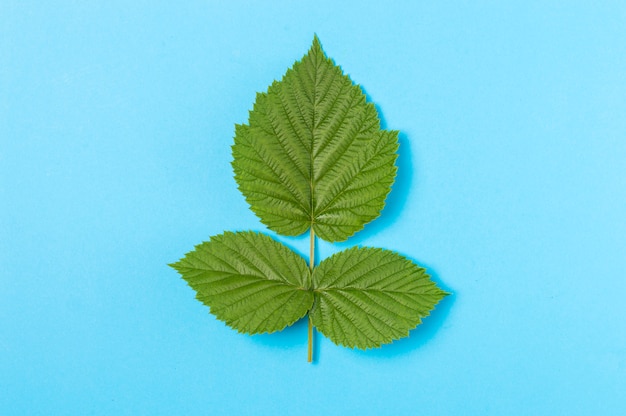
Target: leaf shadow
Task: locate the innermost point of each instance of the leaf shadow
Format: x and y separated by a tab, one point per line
396	199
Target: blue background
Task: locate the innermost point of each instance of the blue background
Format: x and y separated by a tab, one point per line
116	120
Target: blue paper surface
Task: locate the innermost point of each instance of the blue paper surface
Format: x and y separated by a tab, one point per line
116	121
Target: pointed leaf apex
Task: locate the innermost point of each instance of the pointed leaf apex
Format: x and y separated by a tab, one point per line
316	46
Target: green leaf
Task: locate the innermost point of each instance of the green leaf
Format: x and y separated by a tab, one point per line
249	281
312	157
366	297
313	154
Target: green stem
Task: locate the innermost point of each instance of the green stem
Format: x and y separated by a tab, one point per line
310	358
312	251
311	266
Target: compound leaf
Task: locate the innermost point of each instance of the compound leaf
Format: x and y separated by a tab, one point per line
366	297
313	154
248	280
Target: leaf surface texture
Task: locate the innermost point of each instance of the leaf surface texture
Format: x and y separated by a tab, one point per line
313	154
366	297
250	281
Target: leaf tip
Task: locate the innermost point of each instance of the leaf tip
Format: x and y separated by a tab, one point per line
316	46
175	266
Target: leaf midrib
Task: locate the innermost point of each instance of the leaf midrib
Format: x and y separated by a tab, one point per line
364	289
227	275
